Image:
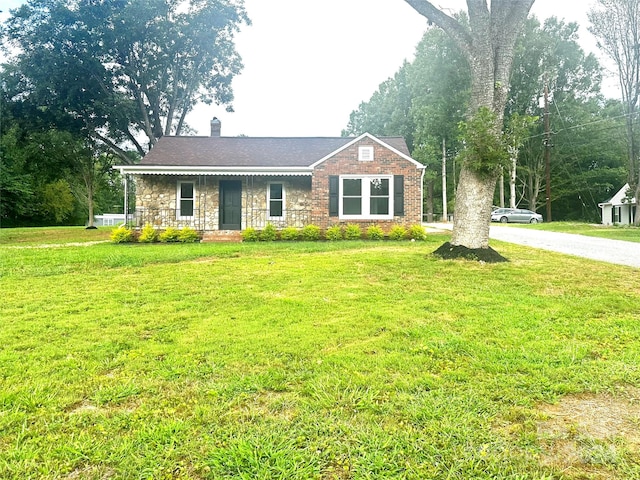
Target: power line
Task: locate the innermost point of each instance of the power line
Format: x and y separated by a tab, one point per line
582	125
574	156
572	146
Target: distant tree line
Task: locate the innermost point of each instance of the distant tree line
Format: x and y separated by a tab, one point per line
91	84
426	102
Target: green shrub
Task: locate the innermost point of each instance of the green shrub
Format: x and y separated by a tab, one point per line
250	235
148	234
289	233
121	235
333	233
417	232
188	235
374	232
397	232
170	235
269	233
352	232
310	232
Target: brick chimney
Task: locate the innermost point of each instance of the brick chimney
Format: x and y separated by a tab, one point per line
215	127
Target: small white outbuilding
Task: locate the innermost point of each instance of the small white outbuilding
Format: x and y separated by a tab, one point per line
619	209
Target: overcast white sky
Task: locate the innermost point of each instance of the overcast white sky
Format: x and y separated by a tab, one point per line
309	64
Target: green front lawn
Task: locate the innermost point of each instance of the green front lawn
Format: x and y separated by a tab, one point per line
345	360
628	233
52	235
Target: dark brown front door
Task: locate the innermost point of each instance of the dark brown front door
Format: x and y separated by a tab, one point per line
230	205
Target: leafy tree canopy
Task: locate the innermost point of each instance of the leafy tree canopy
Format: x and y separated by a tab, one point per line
120	71
427	99
49	175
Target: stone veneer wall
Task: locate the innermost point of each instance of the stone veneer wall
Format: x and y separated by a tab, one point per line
297	196
385	162
156	197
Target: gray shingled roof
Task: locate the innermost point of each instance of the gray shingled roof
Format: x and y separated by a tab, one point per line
250	151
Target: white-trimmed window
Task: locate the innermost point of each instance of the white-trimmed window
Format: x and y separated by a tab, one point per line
366	196
365	153
186	200
275	200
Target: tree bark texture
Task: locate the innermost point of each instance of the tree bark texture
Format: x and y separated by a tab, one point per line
488	44
512	181
471	223
533	186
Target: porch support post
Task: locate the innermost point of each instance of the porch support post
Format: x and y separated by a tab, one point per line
126	199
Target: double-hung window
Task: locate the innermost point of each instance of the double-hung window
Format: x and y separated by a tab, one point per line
351	196
366	197
379	197
186	200
275	200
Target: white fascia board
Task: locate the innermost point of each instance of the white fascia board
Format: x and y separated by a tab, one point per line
177	170
619	197
375	139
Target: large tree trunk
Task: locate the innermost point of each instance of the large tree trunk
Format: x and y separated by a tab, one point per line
473	207
91	222
488	45
474	195
533	189
89	177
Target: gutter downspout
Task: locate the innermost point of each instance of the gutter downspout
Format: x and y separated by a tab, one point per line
422	195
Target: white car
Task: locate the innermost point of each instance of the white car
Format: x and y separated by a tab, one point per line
515	215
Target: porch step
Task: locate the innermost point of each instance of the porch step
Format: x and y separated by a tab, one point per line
222	236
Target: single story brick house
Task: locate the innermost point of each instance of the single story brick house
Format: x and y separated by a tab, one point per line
220	183
619	209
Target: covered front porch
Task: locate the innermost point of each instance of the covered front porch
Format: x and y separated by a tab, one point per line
221	203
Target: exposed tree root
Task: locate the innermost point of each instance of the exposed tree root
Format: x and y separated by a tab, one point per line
451	252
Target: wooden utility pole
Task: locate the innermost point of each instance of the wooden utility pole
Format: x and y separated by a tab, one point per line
444	181
547	151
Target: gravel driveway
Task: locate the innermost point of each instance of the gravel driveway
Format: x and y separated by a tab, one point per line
612	251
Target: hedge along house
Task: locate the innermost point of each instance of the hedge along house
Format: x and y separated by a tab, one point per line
224	184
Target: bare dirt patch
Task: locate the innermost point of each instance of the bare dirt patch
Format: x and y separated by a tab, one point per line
267	404
91	472
592	436
87	408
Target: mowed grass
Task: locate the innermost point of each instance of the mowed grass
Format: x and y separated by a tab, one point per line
53	235
628	233
347	360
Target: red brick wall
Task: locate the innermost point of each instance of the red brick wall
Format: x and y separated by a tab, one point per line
385	162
